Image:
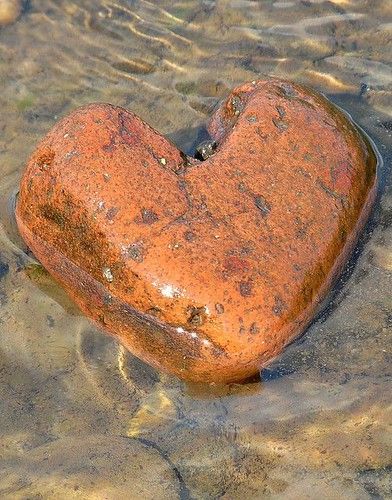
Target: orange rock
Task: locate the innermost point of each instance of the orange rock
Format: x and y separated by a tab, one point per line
203	269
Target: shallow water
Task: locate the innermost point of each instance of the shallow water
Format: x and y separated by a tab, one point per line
82	418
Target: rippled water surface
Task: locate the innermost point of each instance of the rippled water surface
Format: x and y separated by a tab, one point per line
82	418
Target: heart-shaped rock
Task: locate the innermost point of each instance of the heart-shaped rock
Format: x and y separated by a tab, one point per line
204	269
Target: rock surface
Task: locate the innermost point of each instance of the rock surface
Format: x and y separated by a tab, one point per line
203	269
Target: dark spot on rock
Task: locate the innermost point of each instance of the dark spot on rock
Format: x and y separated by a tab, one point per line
301	229
54	215
107	299
254	329
189	236
252	118
342	234
196	315
50	320
135	252
281	111
238	173
219	308
245	288
242	328
330	192
263	136
123	130
110	146
280	124
148	216
202	205
288	90
246	250
304	173
234	264
279	306
45	159
242	187
111	213
262	205
4	268
205	150
182	184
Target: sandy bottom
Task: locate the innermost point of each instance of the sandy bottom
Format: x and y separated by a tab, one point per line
82	418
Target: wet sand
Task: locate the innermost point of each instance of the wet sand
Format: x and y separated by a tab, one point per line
81	417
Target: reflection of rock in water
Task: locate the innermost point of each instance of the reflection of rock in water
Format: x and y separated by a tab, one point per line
113	373
7	216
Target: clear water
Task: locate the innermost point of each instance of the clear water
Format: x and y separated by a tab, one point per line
82	418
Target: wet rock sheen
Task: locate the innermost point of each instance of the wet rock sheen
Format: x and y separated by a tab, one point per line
205	269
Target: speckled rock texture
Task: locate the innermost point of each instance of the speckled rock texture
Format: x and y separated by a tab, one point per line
205	269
